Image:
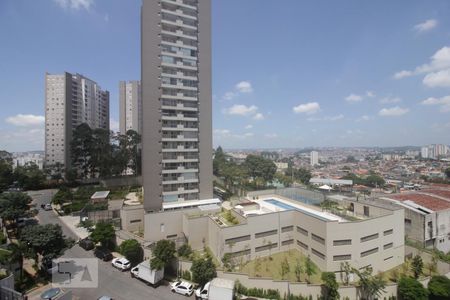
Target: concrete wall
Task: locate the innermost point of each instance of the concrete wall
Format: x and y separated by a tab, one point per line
132	217
8	282
122	181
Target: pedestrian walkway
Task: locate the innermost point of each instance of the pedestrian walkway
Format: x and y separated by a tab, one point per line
72	223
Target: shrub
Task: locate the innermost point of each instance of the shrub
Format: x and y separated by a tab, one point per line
186	275
439	288
411	289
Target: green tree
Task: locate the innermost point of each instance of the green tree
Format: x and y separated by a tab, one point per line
18	251
284	268
45	240
185	250
439	288
133	251
104	234
303	175
417	266
260	169
330	286
219	161
203	270
133	151
63	195
81	149
163	253
6	171
29	177
371	286
310	268
14	206
374	180
101	153
411	289
298	270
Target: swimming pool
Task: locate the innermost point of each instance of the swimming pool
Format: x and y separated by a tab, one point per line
286	206
280	204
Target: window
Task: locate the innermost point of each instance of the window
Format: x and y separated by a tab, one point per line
266	233
318	238
266	247
287	242
135	221
303	245
237	239
369	237
287	228
387	246
240	253
317	253
388	258
342	257
388	232
171	236
342	242
302	231
369	252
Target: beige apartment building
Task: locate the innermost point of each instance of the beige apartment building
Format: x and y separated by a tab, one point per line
70	100
369	234
130	106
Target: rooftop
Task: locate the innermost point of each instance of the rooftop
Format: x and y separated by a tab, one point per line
427	200
100	195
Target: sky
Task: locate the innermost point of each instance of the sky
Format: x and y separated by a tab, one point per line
286	73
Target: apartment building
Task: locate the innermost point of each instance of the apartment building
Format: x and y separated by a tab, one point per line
314	158
176	96
130	106
70	100
368	234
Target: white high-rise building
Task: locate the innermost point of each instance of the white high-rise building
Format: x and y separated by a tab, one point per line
70	100
130	106
424	152
176	102
314	157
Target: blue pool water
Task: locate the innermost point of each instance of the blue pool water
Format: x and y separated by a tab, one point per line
280	204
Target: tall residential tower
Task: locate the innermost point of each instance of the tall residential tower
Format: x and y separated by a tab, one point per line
176	95
130	106
70	100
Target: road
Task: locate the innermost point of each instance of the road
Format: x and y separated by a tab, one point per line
112	282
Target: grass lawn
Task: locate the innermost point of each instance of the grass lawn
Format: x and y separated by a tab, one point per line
393	275
271	267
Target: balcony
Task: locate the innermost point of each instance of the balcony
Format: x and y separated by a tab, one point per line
186	13
178	33
182	3
179	171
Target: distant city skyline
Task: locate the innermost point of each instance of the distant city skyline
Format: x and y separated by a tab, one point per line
295	75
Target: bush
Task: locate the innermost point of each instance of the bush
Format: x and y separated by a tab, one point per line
257	292
411	289
132	250
186	275
185	251
2	238
439	288
203	270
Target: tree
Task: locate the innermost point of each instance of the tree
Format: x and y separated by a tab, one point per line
14	206
310	269
104	234
417	266
302	174
203	270
411	289
81	148
284	268
298	270
439	288
63	195
185	250
133	251
163	253
330	286
45	240
18	251
371	286
260	169
447	172
30	177
6	170
346	269
101	153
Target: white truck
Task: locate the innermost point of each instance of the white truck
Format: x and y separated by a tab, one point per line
216	289
147	274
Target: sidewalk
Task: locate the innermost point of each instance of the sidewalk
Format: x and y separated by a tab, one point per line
72	222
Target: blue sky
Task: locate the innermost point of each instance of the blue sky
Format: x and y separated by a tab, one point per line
286	73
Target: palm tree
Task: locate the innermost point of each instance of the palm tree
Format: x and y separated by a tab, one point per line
18	251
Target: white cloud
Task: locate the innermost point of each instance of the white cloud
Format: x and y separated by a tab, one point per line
114	125
26	120
307	108
395	111
229	95
370	94
364	118
258	117
271	135
438	61
443	103
438	79
244	87
328	118
390	100
352	98
426	26
242	110
22	139
249	126
223	132
227	134
75	4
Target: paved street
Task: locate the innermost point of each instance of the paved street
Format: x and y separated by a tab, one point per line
112	282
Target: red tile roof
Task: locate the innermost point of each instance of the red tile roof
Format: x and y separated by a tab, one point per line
428	201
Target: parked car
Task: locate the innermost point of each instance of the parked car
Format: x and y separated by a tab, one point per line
105	298
103	254
121	263
182	287
144	272
48	206
87	244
